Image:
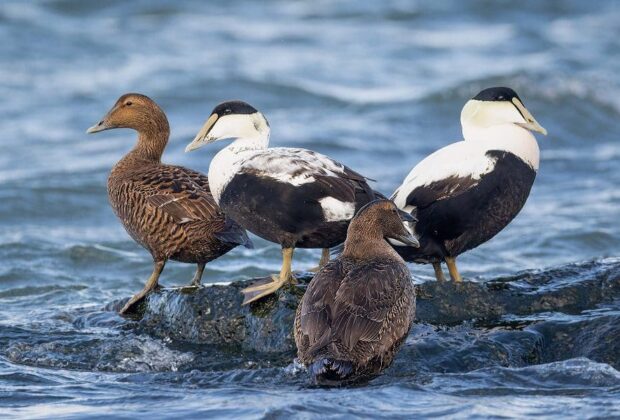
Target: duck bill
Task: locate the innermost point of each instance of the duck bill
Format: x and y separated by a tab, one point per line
100	126
103	124
406	240
202	138
407	217
530	122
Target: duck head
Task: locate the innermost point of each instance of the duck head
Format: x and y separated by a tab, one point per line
135	111
382	221
233	120
493	107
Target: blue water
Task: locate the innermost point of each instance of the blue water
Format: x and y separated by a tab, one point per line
376	85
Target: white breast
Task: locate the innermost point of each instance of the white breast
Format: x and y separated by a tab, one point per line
468	159
223	168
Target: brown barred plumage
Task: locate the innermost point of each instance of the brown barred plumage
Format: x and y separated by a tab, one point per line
359	308
167	209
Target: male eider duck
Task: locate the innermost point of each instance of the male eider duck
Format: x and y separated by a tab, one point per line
295	197
467	192
167	209
358	309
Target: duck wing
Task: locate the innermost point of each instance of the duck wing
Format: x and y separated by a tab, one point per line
184	195
313	321
373	306
301	166
363	310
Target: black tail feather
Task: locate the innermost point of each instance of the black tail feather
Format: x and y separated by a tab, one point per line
331	371
234	234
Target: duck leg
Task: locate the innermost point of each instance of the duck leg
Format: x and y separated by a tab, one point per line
454	272
151	284
255	292
324	260
198	275
438	272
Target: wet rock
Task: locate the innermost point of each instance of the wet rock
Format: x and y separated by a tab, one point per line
213	315
597	338
570	289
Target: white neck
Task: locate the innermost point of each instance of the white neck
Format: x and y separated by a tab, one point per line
508	137
258	142
227	161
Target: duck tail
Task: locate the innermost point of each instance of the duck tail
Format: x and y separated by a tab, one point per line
330	371
234	234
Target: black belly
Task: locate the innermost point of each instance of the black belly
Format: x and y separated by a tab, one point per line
451	226
284	213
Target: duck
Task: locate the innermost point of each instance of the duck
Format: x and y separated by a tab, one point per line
297	198
467	192
167	209
358	309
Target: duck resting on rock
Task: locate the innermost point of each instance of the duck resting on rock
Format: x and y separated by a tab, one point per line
167	209
359	308
467	192
297	198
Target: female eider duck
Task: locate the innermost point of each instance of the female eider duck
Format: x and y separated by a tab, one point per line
358	309
467	192
294	197
167	209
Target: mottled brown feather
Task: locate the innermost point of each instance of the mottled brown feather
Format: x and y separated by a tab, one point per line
359	307
349	309
167	209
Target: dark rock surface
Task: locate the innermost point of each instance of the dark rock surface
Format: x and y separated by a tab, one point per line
517	320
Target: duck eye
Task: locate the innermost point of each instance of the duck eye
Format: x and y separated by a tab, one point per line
128	103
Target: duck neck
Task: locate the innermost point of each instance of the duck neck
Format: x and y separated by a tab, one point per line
258	142
366	242
226	162
152	140
507	137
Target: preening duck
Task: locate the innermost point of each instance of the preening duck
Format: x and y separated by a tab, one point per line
167	209
358	309
467	192
294	197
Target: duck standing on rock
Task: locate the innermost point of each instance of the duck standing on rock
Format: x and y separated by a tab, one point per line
358	309
295	197
167	209
467	192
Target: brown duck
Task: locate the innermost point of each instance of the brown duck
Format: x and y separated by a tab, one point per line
358	309
167	209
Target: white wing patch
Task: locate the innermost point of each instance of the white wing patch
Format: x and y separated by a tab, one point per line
336	210
460	160
292	166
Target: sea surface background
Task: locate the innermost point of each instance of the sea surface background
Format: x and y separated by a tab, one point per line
375	85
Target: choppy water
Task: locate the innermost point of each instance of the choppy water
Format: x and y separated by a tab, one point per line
377	85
